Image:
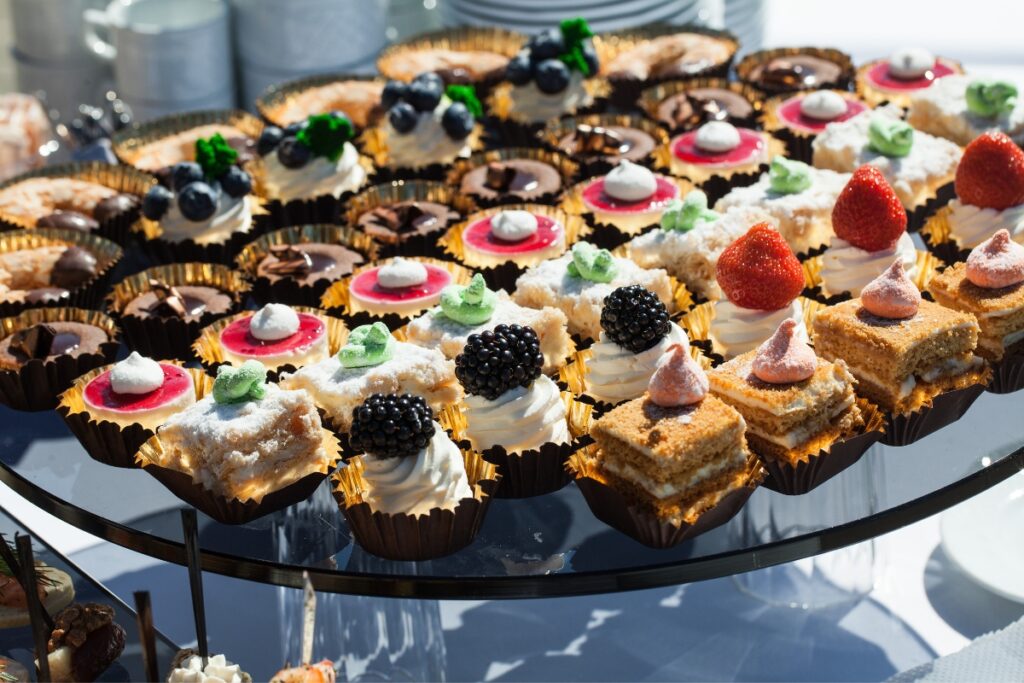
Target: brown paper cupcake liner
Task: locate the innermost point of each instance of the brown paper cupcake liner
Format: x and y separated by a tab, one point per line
37	384
512	129
232	510
373	143
747	64
815	469
566	167
937	234
324	208
286	290
404	191
123	179
618	512
651	98
927	267
946	408
919	215
207	347
338	301
798	142
278	103
108	442
875	97
1008	374
415	538
171	337
591	165
87	295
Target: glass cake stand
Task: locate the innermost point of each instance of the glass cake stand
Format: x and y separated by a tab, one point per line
546	546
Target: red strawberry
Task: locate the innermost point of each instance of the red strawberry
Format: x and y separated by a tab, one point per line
759	270
991	173
868	214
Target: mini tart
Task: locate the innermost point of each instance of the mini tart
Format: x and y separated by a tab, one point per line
111	427
43	247
615	220
784	118
686	105
716	173
356	95
515	128
539	176
85	340
474	55
877	86
359	300
228	341
788	69
373	142
586	139
334	251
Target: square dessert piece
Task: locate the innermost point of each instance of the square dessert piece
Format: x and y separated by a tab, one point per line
916	177
941	110
903	364
550	284
790	422
804	219
1000	312
434	330
692	255
675	462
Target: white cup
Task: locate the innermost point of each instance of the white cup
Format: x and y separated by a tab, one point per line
171	51
144	110
64	86
50	30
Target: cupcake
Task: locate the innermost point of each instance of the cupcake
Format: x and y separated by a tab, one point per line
158	145
84	643
189	667
908	71
406	217
374	362
358	97
513	176
960	109
600	141
790	69
719	155
685	105
798	118
473	55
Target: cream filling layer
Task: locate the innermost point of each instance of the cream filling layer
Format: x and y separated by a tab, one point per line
521	419
319	177
616	374
665	490
799	435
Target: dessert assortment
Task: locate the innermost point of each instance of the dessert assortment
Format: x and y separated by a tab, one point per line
534	261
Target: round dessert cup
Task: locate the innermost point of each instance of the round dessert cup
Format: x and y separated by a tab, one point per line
171	337
946	408
37	384
233	510
594	165
210	352
642	525
876	96
798	141
613	228
337	300
108	442
503	275
407	191
414	538
927	267
937	234
123	179
373	142
324	208
716	181
87	295
652	96
287	290
280	104
754	59
510	129
566	167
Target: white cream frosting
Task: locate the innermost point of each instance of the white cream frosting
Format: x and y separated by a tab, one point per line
433	478
823	105
846	268
521	419
218	670
911	62
528	102
942	110
273	322
717	136
400	273
319	177
971	225
630	182
616	374
514	225
233	214
427	143
136	374
736	330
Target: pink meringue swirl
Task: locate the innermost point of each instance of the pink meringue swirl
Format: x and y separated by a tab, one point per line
784	358
891	295
678	380
997	262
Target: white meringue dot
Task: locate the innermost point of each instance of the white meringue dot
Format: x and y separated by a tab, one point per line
630	182
401	273
274	322
514	225
911	62
717	136
136	374
823	105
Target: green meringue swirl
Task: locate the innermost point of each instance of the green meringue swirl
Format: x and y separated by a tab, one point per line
367	345
889	137
683	215
991	98
788	176
591	263
238	385
470	305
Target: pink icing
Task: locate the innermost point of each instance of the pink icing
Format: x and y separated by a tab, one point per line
99	393
790	112
891	295
784	358
752	146
997	262
879	76
678	380
364	287
240	341
595	197
479	236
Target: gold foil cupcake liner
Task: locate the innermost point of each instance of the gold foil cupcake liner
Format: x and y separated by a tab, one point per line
499	105
130	144
210	352
501	41
566	167
927	266
233	510
286	290
1008	373
37	384
651	98
374	143
414	538
938	236
594	165
322	208
642	525
754	59
281	104
339	301
171	337
876	97
798	141
109	442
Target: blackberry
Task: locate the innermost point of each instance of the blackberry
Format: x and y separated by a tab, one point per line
634	318
497	360
392	426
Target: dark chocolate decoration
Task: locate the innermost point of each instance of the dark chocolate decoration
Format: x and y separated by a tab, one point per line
785	74
111	207
68	220
455	75
402	218
599	140
34	342
169	301
75	267
46	295
701	111
245	147
507	178
291	261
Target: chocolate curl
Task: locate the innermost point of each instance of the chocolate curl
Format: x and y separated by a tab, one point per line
308	618
190	530
399	219
701	111
783	73
499	177
597	140
291	261
35	341
147	636
169	300
42	624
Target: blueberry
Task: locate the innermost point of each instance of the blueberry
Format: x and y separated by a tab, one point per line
293	128
156	202
552	76
431	79
291	154
403	117
236	182
424	95
394	91
546	45
197	202
457	121
590	55
518	70
269	139
184	173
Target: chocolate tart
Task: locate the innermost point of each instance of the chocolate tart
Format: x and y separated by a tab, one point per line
513	175
685	105
789	69
357	95
599	141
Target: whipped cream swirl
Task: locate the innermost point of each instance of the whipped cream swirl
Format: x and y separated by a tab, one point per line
319	177
534	106
427	143
521	419
971	225
433	478
218	670
736	330
846	268
233	214
616	374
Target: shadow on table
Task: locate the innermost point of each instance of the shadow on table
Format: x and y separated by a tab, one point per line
22	429
967	607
